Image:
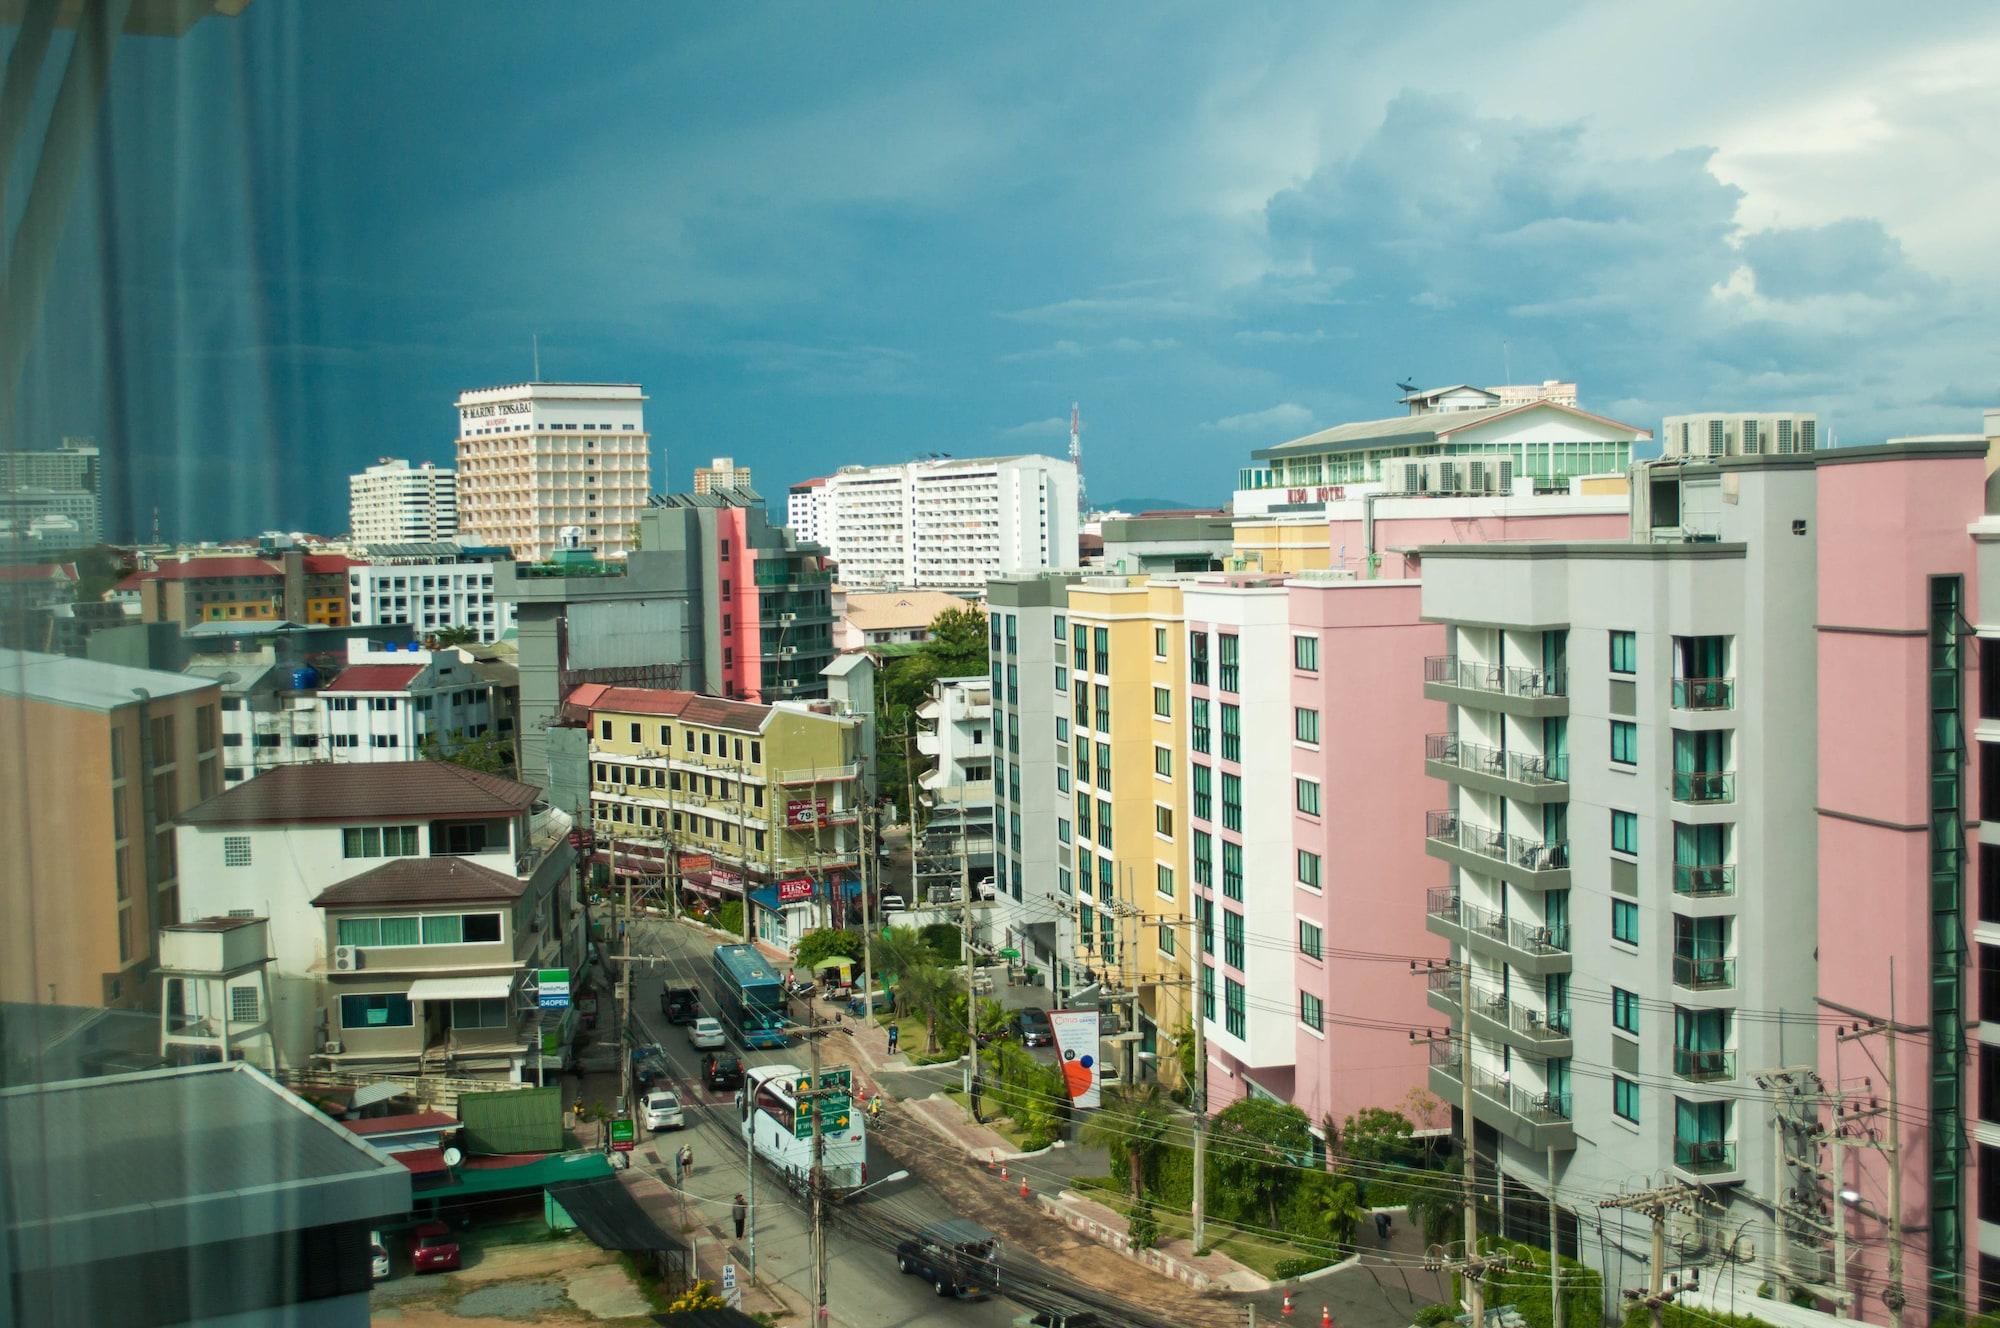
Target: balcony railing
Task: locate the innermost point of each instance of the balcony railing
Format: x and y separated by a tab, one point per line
1700	786
1507	931
1501	680
1532	855
1704	693
1521	767
1704	879
1704	973
1702	1066
1532	1024
1705	1156
1543	1108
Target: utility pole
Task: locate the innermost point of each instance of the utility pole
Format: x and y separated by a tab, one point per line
1892	1153
1555	1252
1888	1143
624	983
818	1176
971	994
867	923
1472	1266
1656	1204
1198	1094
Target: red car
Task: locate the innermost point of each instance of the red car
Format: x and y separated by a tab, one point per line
433	1249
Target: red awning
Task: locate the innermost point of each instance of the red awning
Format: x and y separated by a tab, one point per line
422	1161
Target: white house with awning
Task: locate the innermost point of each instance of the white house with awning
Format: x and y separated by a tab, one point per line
410	907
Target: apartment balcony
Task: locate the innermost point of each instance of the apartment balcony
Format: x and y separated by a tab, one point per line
1523	776
1704	880
1508	688
1705	1157
1704	693
1531	1119
1704	786
821	774
1527	863
1535	950
1703	1067
1703	973
1499	1019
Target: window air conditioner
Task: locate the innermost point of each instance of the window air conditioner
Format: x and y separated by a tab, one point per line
333	1048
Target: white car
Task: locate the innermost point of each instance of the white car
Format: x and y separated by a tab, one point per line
378	1256
663	1112
706	1033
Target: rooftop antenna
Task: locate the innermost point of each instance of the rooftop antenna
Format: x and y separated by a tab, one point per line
1076	456
538	356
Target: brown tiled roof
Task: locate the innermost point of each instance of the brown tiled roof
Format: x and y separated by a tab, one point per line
384	790
691	707
713	712
375	678
421	881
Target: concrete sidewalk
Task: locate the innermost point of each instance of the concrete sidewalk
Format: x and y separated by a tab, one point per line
712	1241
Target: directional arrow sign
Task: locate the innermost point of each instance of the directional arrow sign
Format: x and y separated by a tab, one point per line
842	1078
835	1102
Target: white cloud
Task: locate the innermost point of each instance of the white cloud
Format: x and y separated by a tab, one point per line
1052	427
1286	415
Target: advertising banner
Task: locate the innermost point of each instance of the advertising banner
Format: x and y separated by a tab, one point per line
805	811
1076	1049
554	985
795	888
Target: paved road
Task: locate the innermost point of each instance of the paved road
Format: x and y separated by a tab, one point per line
864	1290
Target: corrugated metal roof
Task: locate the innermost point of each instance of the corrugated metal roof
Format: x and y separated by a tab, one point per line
1403	430
384	791
421	881
87	684
375	678
416	1120
690	707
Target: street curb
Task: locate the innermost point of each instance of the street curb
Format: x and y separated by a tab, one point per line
1351	1261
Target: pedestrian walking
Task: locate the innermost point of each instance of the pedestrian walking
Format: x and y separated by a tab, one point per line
894	1033
1382	1226
687	1159
740	1211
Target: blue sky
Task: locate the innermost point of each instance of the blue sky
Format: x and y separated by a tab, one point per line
832	233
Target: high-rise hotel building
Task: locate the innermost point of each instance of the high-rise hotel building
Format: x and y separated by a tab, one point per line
535	458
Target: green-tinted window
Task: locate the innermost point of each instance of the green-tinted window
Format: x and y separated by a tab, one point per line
1624	652
1625	921
1311	944
1624	742
1308	868
1625	1009
1305	724
1625	832
1625	1098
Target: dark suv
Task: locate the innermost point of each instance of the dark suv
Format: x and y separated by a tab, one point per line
681	1005
1033	1028
720	1071
956	1257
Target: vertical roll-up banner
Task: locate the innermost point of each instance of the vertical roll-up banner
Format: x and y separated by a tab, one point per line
1076	1050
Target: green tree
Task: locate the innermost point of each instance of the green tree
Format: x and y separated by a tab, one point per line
457	635
1134	1121
1258	1149
827	943
488	753
1340	1207
901	950
1379	1137
944	942
925	990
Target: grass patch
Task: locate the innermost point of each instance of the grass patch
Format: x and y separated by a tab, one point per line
1000	1125
1262	1256
518	1231
643	1277
1102	1184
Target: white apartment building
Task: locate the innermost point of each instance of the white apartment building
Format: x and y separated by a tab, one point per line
956	741
388	700
393	502
805	508
534	458
431	587
409	910
949	523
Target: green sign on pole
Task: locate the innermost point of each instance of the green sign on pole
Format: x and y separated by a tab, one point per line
623	1134
842	1078
831	1104
802	1125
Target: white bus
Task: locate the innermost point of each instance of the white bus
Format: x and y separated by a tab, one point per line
768	1109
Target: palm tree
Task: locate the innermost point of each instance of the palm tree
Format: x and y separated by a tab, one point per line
1341	1209
1134	1121
928	989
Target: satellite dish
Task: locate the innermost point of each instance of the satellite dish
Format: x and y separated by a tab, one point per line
452	1157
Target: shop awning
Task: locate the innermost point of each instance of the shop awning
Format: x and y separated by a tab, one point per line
493	987
607	1213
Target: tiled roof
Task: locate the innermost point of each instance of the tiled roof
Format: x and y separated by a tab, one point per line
421	881
375	678
887	611
23	572
385	790
198	569
691	707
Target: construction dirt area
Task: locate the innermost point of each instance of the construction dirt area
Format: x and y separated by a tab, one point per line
565	1281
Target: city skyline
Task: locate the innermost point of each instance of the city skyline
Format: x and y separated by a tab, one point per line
1184	230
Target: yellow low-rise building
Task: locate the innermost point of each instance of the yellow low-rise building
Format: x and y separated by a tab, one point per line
1283	544
755	798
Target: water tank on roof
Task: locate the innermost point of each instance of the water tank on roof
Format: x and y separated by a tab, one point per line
305	678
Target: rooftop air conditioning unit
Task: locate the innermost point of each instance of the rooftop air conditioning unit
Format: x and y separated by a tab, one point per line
1403	475
347	958
333	1048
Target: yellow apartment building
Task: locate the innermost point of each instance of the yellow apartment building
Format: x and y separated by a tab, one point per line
1127	816
753	798
100	760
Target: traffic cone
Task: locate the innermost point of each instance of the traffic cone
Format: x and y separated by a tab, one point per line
1003	1171
1325	1317
990	1159
1287	1311
1024	1187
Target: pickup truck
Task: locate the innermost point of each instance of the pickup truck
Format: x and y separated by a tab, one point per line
956	1257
